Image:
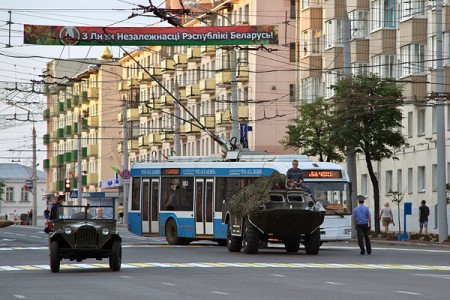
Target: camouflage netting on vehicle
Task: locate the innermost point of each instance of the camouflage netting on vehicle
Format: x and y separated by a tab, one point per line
248	200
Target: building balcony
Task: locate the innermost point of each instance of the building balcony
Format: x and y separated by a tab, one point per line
92	150
180	60
84	126
182	94
190	127
92	178
223	118
46	164
54	111
144	110
60	159
60	133
243	112
46	114
93	93
84	97
223	77
193	91
208	85
76	100
61	108
242	72
208	50
74	155
133	145
143	141
154	104
167	66
68	130
193	54
60	185
166	100
67	157
132	114
154	139
68	104
208	121
46	139
53	135
166	137
92	122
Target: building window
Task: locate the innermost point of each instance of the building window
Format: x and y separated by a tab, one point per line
413	59
359	23
292	56
382	14
334	33
388	181
292	97
421	176
410	124
411	8
410	180
9	194
364	184
310	42
421	122
383	65
399	181
310	88
360	68
293	10
23	195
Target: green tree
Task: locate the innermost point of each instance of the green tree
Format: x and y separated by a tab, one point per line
367	117
2	189
311	131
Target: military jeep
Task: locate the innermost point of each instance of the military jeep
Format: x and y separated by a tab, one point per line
82	232
291	217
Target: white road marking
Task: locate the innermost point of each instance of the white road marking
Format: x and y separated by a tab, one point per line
167	283
19	296
278	275
335	283
219	293
409	293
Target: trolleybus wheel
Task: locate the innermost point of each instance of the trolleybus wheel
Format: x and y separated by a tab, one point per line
172	234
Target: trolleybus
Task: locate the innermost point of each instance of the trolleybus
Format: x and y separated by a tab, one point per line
181	198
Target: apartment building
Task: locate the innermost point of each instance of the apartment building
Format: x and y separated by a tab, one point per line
200	78
393	39
82	106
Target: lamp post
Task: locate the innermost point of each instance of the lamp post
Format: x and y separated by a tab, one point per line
232	59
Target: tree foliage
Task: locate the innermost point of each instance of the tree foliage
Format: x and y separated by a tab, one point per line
312	131
367	116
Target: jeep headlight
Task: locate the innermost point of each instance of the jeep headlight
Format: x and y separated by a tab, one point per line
105	231
68	230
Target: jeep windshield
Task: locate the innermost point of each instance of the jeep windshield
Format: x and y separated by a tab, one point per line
86	213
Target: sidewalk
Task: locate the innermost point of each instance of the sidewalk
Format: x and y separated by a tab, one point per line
408	243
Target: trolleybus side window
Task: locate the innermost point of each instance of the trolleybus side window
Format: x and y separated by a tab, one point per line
135	193
177	193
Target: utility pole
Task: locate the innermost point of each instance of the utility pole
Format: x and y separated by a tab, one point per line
125	181
440	124
176	114
79	157
34	179
234	104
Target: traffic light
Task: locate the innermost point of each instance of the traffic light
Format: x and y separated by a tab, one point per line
67	185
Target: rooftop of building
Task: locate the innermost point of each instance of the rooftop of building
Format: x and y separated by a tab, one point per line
20	172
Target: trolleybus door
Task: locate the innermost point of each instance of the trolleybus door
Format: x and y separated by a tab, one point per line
150	206
154	204
145	203
204	206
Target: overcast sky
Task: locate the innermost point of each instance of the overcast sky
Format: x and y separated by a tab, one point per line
19	63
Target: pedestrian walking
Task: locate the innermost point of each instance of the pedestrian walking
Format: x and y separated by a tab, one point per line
386	217
362	221
424	212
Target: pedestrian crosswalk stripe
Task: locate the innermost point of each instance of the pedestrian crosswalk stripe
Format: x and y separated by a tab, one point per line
229	265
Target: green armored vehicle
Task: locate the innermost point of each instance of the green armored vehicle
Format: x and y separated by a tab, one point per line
82	232
288	216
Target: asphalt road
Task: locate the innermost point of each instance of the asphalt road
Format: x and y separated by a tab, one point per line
151	269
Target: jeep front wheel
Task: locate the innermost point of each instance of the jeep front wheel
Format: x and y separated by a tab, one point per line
312	243
115	259
234	243
55	262
251	238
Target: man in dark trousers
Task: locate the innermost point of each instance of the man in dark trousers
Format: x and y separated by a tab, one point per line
55	207
424	212
362	220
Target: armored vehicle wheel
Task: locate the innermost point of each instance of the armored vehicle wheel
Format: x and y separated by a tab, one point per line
55	262
172	234
234	243
312	242
251	239
292	245
115	259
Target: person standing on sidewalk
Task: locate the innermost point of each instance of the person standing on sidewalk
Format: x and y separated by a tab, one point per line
362	221
424	212
120	211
